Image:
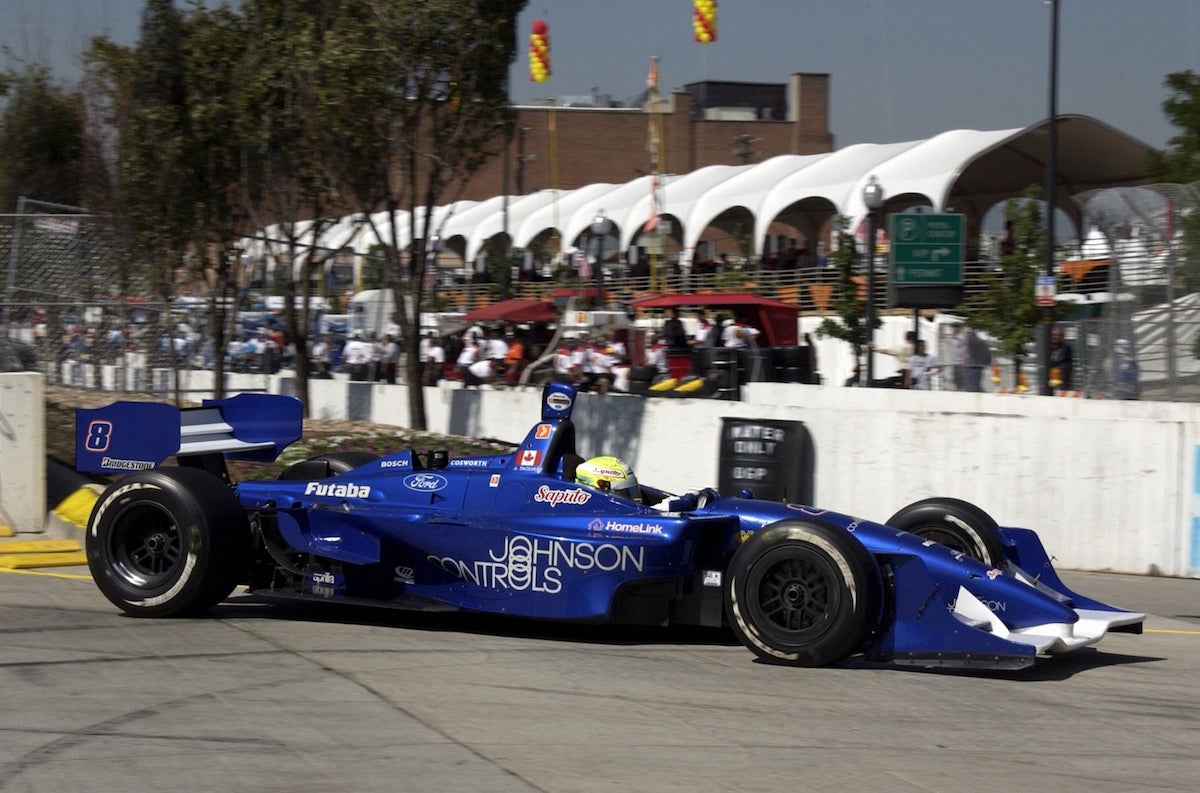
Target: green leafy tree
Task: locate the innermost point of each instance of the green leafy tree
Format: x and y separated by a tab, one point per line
1180	160
41	140
1179	163
1004	308
285	176
168	136
850	325
412	101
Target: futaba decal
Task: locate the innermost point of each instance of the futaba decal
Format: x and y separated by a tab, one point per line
537	565
347	490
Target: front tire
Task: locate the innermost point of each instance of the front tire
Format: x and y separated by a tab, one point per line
802	593
959	525
167	542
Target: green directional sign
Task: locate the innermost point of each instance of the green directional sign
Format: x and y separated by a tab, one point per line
927	249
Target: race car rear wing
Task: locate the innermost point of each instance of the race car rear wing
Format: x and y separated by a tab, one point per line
134	436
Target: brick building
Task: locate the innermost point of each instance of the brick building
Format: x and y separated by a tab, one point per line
705	123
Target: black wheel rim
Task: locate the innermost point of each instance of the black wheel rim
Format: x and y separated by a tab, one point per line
146	546
796	595
949	538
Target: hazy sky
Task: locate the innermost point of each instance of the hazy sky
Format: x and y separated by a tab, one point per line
900	69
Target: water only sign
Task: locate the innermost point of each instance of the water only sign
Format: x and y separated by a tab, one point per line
927	249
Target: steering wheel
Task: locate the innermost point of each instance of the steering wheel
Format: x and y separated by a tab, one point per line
705	497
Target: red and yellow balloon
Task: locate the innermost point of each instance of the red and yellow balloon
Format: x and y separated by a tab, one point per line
704	20
539	52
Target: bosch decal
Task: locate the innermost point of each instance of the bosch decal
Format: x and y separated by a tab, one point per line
395	463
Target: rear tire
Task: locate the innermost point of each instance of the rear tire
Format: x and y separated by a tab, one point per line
166	542
327	465
802	593
959	525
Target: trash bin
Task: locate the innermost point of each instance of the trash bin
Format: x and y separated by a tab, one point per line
772	457
723	372
754	365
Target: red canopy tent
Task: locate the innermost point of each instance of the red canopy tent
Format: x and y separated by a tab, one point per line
776	319
514	311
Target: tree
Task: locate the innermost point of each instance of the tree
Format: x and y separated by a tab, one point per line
41	140
285	179
413	99
1180	161
213	43
1004	308
173	150
848	298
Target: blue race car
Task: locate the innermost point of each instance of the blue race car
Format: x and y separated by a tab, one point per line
940	584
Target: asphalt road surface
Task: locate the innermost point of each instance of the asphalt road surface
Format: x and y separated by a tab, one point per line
269	698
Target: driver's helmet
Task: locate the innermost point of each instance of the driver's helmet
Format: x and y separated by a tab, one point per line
609	473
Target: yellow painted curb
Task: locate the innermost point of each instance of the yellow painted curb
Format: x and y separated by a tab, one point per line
6	531
25	561
39	546
77	507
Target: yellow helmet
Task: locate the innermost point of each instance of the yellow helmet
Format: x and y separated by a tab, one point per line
609	473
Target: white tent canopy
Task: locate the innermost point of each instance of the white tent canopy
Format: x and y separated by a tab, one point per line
965	171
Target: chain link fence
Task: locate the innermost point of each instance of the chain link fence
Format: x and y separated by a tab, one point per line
75	302
1137	305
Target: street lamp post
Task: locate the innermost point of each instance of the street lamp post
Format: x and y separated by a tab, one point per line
600	227
1051	153
873	200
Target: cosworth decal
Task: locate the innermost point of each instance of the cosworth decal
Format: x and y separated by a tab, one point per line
340	490
467	462
537	565
548	495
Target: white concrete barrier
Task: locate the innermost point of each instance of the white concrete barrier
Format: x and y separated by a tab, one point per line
23	451
1108	485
